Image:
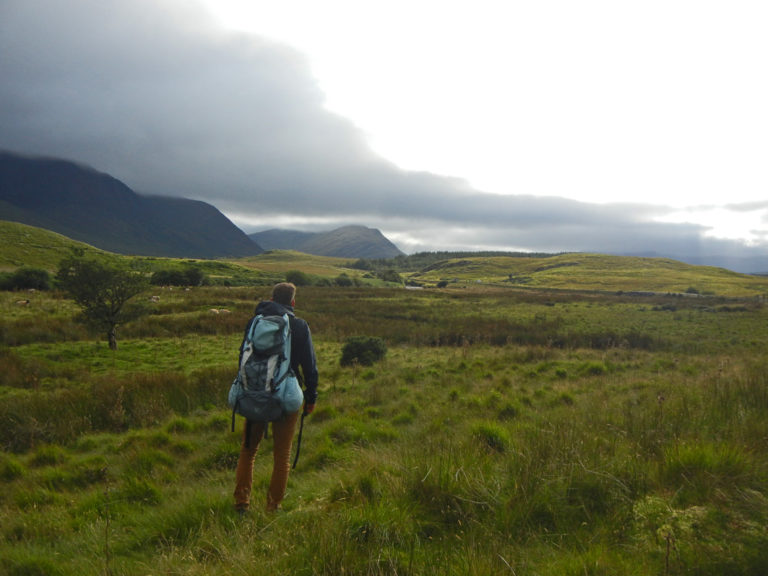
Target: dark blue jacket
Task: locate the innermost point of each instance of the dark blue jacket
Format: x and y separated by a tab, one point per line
302	349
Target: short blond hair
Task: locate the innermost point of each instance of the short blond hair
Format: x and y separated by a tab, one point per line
284	293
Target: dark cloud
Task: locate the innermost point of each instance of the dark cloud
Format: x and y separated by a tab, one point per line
158	96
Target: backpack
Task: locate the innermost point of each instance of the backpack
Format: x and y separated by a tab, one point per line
265	387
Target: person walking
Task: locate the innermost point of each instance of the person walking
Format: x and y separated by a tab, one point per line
304	365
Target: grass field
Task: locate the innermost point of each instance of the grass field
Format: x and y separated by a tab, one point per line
604	417
505	432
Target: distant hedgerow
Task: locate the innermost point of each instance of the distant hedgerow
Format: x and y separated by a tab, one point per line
363	350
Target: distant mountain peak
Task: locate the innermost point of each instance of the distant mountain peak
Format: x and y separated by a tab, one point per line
353	241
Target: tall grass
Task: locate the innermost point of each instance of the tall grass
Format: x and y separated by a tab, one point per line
503	433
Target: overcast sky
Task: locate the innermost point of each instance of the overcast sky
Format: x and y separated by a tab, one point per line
548	126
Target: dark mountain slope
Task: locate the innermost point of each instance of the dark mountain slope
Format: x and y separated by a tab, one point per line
278	239
344	242
96	208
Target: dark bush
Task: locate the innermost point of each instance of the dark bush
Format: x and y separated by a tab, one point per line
390	276
363	350
191	276
27	279
298	278
343	280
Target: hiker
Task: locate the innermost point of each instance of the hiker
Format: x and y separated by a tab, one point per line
304	366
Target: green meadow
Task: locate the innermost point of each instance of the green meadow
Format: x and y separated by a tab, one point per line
604	416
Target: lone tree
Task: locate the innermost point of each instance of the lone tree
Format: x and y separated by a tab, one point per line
102	287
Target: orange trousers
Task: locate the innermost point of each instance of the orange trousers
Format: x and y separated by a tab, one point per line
282	434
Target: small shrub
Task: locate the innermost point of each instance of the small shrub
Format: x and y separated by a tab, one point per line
363	350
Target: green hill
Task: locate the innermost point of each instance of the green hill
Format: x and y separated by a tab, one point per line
24	245
594	272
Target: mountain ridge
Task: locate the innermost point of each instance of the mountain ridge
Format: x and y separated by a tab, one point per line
84	204
90	206
354	241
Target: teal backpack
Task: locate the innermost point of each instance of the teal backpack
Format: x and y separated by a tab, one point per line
265	388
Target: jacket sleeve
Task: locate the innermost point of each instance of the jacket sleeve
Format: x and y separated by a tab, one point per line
303	357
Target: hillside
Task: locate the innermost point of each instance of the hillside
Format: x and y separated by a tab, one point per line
344	242
24	245
594	272
97	209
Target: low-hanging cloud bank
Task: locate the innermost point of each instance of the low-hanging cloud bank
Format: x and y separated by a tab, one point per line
158	96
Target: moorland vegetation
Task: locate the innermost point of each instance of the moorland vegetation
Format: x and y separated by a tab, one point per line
608	423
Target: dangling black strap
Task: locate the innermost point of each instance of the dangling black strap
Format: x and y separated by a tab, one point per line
298	442
248	433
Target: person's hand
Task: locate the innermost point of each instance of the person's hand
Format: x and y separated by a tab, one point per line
309	408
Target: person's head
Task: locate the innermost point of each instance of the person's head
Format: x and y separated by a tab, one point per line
284	293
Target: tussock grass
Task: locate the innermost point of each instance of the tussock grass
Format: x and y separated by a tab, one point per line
502	433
